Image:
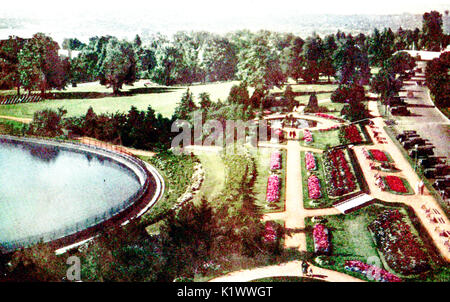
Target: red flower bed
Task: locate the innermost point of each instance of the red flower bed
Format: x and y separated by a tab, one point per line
314	187
378	155
401	248
321	241
339	177
395	184
352	134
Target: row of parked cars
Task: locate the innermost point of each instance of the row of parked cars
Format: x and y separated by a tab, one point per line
434	167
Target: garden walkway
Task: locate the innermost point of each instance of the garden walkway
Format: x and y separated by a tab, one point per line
294	217
17	119
288	269
425	206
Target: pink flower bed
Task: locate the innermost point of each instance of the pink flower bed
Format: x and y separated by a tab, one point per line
275	160
270	234
273	188
310	161
321	241
307	136
371	271
314	187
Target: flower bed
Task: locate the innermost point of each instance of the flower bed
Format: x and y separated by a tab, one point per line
329	116
371	271
310	161
402	249
338	175
307	136
378	155
275	160
273	188
314	187
351	134
321	239
395	184
270	233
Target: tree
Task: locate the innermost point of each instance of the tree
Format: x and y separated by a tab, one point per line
239	95
432	33
219	59
313	55
185	106
386	85
292	60
169	65
205	100
119	65
326	65
400	63
47	122
40	67
259	66
438	80
9	63
351	63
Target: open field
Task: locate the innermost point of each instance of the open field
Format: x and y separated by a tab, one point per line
77	100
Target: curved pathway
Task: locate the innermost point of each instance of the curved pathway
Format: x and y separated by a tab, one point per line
288	269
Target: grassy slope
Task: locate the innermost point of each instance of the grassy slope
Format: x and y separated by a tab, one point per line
214	181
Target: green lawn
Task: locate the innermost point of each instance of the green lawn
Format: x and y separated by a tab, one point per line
214	181
322	139
77	100
350	238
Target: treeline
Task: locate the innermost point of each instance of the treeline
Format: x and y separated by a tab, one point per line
261	59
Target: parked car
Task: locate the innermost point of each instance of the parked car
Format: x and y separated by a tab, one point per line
422	151
410	143
442	169
430	173
429	161
442	183
399	110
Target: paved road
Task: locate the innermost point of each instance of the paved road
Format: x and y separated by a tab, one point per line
426	119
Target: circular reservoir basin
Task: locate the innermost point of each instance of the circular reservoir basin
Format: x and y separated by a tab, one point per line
49	191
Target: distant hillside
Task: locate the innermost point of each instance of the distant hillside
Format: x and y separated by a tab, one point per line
127	27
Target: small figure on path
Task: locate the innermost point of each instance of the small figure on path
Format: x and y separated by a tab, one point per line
310	272
421	187
304	268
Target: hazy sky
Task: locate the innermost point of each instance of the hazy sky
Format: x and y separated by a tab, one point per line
197	8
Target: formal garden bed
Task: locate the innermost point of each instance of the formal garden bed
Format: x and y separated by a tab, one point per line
270	184
396	185
354	246
354	134
399	243
328	177
380	156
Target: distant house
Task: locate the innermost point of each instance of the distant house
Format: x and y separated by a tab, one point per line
422	55
69	53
